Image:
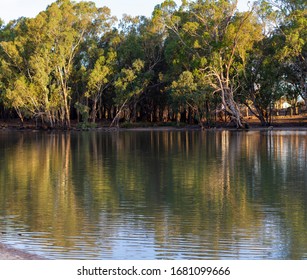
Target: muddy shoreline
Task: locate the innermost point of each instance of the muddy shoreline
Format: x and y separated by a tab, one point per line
9	253
298	122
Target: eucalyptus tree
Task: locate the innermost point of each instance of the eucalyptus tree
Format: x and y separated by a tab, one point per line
95	65
129	85
39	60
186	82
217	38
15	53
100	78
189	89
154	100
69	25
276	65
261	81
293	52
291	28
140	59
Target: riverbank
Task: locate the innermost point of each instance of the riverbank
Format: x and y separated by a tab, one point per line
278	123
9	253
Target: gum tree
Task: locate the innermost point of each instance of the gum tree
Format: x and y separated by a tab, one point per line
217	38
38	59
129	85
100	78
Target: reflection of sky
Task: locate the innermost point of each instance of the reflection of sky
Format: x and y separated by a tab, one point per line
274	238
265	241
287	150
139	241
133	243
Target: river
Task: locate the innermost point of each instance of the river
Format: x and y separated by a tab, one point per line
155	194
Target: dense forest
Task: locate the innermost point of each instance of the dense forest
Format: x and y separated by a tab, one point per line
194	63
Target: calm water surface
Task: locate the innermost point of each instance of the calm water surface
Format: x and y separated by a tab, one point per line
155	195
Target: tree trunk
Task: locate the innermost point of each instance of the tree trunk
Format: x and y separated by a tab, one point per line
66	108
94	111
118	113
19	115
232	108
260	114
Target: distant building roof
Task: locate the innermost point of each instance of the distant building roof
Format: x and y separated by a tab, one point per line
286	105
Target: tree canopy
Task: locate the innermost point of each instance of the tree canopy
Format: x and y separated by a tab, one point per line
186	64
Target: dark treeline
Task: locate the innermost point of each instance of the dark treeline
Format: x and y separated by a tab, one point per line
195	63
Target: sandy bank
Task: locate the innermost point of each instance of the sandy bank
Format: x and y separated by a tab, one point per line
8	253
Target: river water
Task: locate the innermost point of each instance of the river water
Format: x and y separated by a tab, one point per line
155	194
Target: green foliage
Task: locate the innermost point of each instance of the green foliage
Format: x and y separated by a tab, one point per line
86	126
188	89
42	53
83	110
193	59
130	82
